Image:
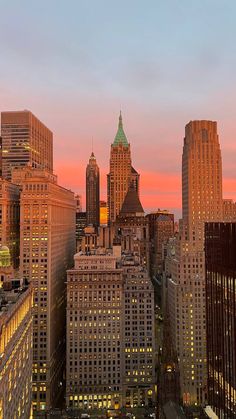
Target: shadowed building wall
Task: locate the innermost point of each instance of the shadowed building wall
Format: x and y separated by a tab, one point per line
220	248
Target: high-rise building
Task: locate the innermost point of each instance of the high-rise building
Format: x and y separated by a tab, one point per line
94	328
138	314
161	228
81	222
92	192
10	219
15	349
220	248
47	243
110	332
121	174
229	210
202	201
26	141
201	179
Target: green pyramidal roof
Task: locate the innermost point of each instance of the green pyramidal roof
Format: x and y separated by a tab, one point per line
120	137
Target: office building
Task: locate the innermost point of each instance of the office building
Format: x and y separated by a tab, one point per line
89	241
106	237
202	201
15	349
47	243
121	174
92	192
81	222
139	377
10	219
220	248
201	179
229	210
26	141
161	229
110	332
94	328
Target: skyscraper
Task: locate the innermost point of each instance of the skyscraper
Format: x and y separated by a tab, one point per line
161	228
229	210
47	245
220	245
92	192
110	332
94	329
201	179
26	141
202	201
121	174
138	334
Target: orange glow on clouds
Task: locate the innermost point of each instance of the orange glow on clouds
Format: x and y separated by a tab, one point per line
157	189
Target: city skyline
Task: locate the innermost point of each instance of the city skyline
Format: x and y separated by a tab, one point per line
117	209
77	82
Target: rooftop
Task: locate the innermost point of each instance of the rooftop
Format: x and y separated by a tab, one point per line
120	138
10	293
131	204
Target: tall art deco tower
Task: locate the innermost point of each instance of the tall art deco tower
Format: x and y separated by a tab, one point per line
92	192
202	202
121	175
201	178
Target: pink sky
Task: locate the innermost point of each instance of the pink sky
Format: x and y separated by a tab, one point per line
74	68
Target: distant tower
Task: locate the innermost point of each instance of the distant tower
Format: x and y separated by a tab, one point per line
26	141
92	192
121	175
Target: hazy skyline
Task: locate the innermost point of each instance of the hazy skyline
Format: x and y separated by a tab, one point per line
75	64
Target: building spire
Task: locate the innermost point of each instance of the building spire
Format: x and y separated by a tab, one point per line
120	137
120	121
